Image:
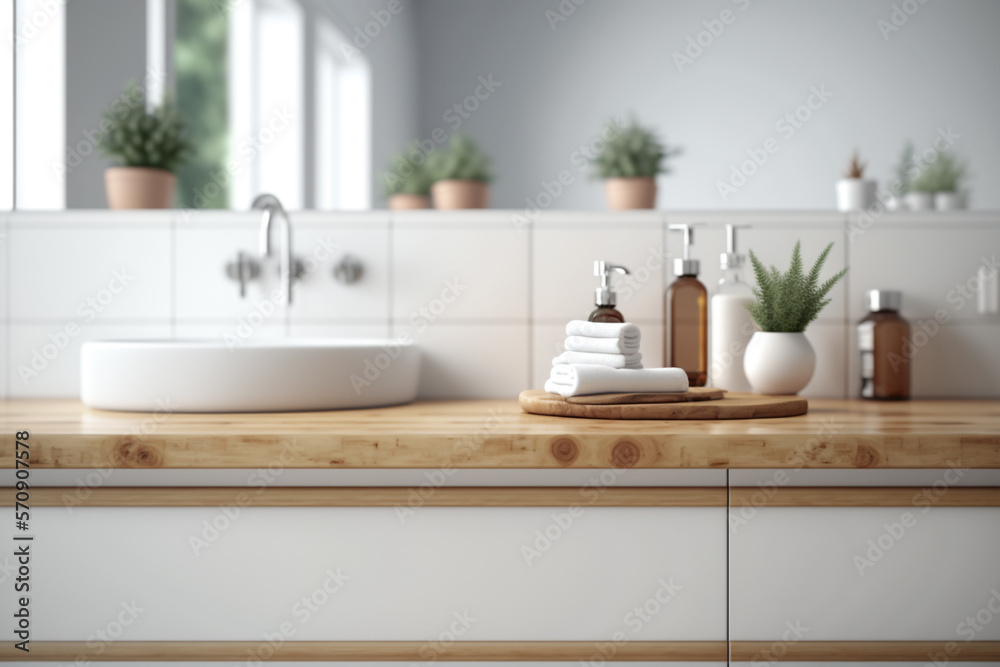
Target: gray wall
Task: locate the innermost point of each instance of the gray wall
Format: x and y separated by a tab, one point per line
105	48
614	56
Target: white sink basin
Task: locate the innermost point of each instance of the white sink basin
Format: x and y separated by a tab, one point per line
265	376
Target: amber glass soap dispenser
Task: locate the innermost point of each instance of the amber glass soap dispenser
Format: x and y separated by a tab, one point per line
687	317
883	337
604	296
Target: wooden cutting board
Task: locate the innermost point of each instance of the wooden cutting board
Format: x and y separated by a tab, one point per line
731	406
692	394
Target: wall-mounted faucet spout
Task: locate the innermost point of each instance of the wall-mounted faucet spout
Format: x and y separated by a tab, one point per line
272	207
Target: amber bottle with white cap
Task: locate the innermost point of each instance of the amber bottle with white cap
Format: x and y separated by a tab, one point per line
884	342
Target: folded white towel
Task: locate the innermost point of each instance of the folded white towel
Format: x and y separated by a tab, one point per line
625	332
609	360
581	379
602	345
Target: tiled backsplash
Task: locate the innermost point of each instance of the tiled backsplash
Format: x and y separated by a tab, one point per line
484	295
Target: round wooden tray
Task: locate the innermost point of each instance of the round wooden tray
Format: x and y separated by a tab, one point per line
731	406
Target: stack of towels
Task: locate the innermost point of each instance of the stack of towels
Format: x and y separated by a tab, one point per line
604	357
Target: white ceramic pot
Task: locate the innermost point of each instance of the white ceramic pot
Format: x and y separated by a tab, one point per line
779	363
854	194
920	201
949	201
895	203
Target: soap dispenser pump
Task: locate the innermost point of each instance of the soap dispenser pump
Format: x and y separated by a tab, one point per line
604	297
687	316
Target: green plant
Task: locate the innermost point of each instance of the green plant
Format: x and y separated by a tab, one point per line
945	174
141	138
405	176
632	151
856	168
904	175
788	302
462	159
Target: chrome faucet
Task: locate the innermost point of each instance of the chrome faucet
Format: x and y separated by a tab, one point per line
271	206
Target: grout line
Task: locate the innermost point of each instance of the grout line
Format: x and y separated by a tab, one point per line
173	277
531	304
390	274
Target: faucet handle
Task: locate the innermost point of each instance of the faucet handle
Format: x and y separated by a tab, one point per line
348	270
243	270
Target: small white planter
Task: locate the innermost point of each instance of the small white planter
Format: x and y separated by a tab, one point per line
855	194
920	201
895	203
949	201
779	363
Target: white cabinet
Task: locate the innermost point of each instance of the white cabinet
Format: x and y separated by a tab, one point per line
866	574
376	574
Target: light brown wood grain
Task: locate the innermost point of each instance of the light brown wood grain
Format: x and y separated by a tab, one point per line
864	497
370	497
847	651
497	434
693	394
732	406
297	651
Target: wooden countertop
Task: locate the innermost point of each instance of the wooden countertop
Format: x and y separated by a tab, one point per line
497	434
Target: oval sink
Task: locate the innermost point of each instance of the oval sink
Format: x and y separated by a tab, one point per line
263	376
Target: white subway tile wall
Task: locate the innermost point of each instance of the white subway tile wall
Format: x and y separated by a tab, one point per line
485	294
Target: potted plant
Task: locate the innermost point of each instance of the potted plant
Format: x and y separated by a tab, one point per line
897	199
150	145
407	183
631	160
779	359
944	177
461	175
854	192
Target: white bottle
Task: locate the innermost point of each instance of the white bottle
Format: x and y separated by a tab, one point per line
731	324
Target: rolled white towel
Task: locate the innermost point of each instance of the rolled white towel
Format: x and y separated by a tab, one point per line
610	360
626	332
602	345
582	379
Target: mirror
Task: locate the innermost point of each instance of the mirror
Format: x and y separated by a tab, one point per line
311	99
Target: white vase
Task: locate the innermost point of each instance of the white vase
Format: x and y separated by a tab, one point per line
949	201
854	194
895	203
920	201
779	363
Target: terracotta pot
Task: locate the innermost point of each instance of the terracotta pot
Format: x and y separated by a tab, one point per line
407	202
630	193
454	194
139	187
